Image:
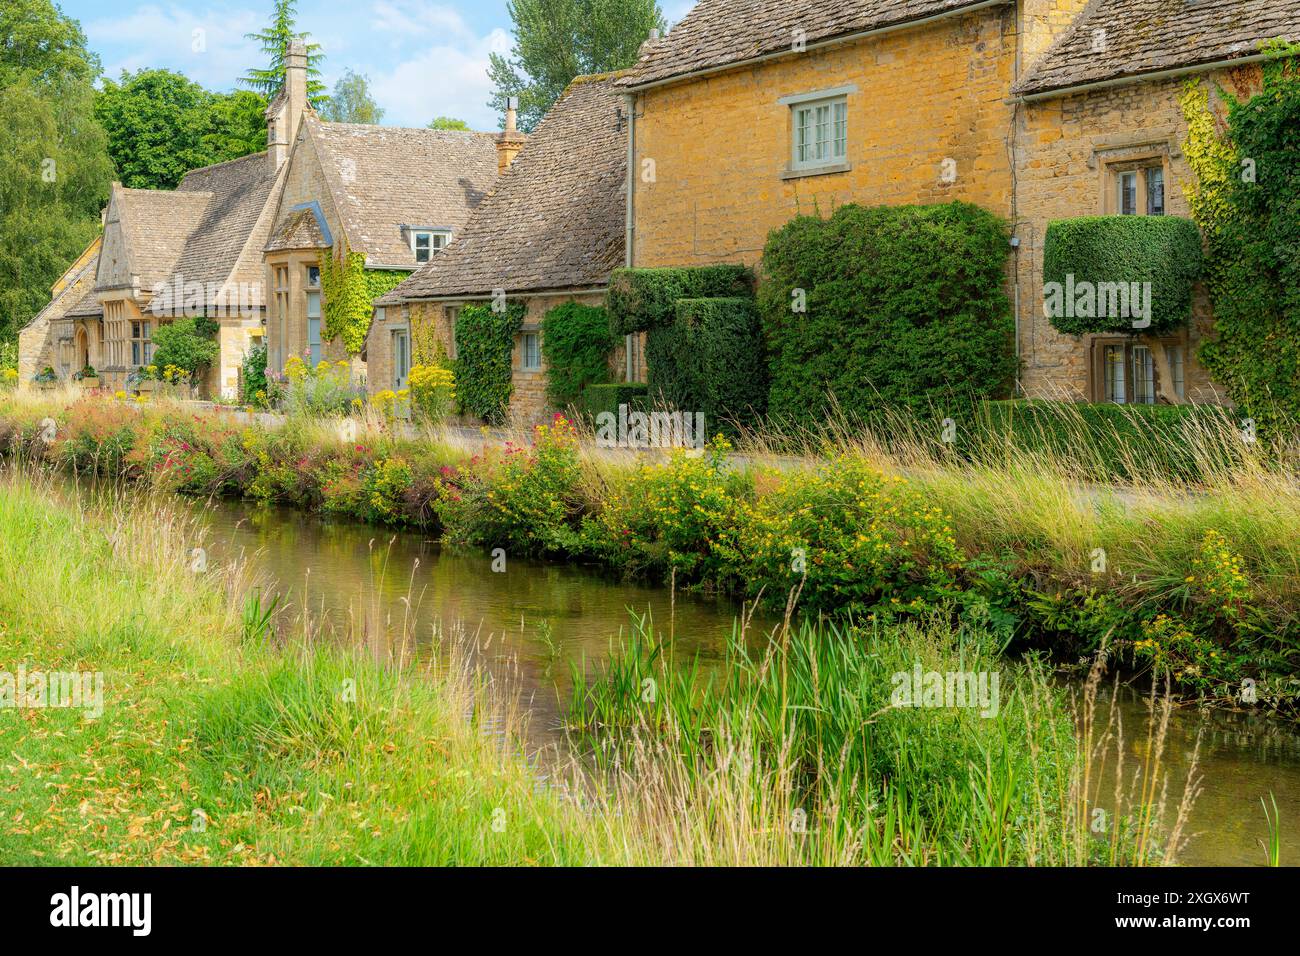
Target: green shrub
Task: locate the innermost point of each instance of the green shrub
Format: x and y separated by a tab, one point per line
709	360
485	343
608	396
252	384
576	343
903	305
1093	264
640	299
189	344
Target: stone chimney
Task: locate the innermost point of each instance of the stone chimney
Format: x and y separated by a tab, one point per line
285	111
511	141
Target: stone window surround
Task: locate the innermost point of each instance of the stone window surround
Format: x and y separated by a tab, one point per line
791	171
1160	360
1111	158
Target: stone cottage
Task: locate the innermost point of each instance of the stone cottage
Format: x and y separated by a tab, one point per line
168	254
747	114
1099	131
391	196
551	232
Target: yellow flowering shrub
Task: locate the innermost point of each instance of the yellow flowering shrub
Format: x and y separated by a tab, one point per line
433	391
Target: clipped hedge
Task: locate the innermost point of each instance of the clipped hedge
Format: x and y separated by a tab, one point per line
1092	265
641	299
903	306
485	344
576	343
710	360
608	396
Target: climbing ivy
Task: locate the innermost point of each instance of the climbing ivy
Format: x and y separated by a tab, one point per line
1245	199
485	344
348	293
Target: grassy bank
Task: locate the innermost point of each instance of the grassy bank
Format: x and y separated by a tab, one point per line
224	740
1200	580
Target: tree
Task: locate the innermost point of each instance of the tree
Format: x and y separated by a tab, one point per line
54	164
188	344
238	125
447	122
556	40
274	39
156	121
351	101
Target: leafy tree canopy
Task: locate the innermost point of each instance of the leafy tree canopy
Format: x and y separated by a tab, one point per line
447	122
351	101
556	40
54	165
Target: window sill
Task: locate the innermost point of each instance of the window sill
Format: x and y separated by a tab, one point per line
816	171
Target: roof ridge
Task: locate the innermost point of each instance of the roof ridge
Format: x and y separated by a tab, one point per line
224	162
407	129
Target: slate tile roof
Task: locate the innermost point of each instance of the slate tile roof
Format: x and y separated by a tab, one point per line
298	230
225	244
1147	36
70	297
719	33
386	177
210	229
556	219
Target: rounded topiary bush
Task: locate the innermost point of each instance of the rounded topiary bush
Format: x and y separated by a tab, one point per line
1130	274
883	306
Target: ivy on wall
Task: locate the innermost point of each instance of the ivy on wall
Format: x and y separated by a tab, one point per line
348	293
1245	199
485	344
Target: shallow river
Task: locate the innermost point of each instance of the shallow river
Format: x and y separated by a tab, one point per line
542	617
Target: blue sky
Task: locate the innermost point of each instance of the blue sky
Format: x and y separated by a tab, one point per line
425	58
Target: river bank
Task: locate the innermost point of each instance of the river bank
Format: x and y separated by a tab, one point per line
1204	586
225	741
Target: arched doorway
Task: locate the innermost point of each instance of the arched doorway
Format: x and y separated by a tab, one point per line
81	349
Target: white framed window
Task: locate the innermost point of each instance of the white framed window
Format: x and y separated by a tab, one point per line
1113	371
1144	376
1140	191
313	327
531	351
401	358
1176	373
313	277
821	132
425	242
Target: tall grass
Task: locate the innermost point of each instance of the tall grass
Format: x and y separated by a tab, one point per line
802	735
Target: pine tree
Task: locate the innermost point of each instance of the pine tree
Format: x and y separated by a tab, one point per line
274	40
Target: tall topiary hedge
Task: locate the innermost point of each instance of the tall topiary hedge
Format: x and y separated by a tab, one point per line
576	343
1120	273
1246	199
885	305
710	360
485	344
640	299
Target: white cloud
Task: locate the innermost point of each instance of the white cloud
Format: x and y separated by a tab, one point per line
443	80
401	20
209	48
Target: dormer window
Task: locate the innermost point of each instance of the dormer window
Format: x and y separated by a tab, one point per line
424	242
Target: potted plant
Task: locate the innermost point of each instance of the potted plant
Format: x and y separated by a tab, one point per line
45	378
144	379
88	377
